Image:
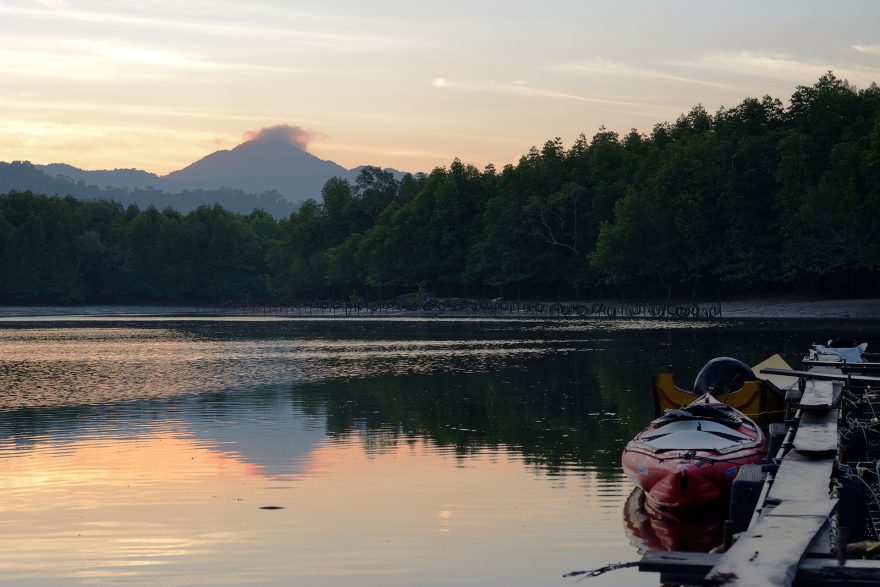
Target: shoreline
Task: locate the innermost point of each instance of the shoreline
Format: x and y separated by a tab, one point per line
754	308
807	309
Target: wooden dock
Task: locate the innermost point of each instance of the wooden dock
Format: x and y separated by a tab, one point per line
792	536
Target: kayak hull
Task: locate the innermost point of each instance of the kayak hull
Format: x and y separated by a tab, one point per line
689	457
680	480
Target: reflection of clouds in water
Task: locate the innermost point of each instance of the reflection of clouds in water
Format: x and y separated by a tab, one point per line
70	366
261	427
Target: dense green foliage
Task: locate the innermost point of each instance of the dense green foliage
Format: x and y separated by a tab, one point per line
758	196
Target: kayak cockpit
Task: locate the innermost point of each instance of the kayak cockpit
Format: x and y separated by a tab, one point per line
693	435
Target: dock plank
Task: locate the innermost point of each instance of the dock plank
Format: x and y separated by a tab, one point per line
817	434
801	478
866	366
815	375
812	572
768	554
818	396
813	507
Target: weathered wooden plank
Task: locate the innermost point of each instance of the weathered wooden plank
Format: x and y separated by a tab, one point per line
822	543
813	507
768	554
801	478
842	365
827	369
817	434
815	374
658	561
815	573
818	396
811	572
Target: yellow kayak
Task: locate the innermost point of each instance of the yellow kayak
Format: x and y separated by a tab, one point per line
760	397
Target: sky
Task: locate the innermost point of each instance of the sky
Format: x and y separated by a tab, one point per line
156	85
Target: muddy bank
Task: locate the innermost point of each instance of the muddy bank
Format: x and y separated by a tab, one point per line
793	308
766	308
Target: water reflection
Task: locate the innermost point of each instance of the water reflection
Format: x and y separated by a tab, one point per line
653	528
173	495
68	366
401	452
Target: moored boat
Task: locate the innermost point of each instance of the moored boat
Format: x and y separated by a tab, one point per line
690	456
731	382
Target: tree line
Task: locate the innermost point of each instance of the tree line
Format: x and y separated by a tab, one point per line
759	197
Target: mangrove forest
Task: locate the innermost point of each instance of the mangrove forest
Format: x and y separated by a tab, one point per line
761	197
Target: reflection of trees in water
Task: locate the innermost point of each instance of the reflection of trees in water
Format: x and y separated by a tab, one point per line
547	408
572	410
26	427
565	410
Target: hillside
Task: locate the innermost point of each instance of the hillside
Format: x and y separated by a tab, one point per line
23	176
280	170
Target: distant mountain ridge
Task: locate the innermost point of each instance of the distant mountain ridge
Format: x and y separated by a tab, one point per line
254	167
24	176
116	178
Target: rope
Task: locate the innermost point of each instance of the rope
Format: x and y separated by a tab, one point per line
601	570
857	474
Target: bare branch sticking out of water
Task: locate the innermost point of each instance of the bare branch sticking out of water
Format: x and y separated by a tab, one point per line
601	570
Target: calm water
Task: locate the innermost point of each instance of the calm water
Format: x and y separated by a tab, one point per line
146	451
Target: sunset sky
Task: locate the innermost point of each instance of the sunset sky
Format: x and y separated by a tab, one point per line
156	85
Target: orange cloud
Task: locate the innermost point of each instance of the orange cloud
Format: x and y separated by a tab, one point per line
289	133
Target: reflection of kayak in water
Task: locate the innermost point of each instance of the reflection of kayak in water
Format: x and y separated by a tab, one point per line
650	528
690	456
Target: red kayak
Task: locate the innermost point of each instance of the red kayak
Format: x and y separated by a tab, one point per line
689	456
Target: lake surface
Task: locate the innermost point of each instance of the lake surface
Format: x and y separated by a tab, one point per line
193	451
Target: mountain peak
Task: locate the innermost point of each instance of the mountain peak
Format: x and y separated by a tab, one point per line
273	158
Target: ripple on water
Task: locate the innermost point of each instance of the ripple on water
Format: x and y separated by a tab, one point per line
44	367
144	454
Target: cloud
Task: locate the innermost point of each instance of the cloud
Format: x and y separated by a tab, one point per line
35	103
779	66
111	59
124	54
520	88
869	49
616	68
289	133
310	29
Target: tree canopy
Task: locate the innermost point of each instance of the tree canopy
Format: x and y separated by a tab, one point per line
757	197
